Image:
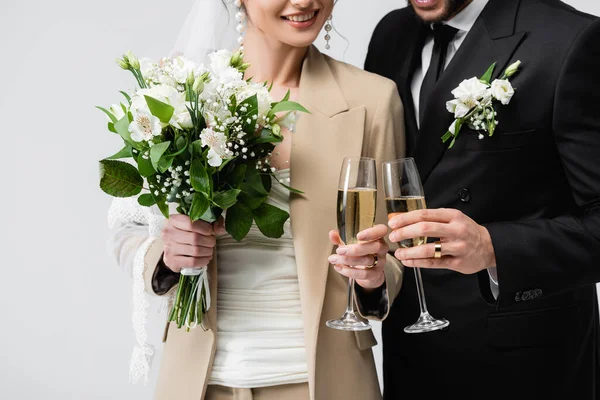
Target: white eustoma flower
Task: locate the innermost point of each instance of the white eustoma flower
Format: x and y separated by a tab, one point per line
144	126
220	61
216	142
452	128
470	88
502	90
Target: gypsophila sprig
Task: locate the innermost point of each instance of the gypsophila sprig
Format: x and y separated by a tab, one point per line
474	101
200	137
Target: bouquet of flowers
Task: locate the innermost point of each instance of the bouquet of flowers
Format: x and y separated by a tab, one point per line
200	137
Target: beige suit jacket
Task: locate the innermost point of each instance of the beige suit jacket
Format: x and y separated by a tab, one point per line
353	113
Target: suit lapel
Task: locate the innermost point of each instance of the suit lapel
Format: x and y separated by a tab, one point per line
492	39
321	141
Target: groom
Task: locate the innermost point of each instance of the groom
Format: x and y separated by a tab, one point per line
517	213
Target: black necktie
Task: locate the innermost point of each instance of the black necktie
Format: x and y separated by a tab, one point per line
442	36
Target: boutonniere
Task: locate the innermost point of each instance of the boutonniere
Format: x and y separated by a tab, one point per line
474	101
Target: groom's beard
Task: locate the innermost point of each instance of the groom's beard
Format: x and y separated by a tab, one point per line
450	9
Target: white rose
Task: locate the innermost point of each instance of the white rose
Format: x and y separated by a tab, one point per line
470	88
502	90
220	60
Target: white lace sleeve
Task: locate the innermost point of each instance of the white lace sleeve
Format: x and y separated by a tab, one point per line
135	228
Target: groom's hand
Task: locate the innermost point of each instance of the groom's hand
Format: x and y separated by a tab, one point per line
187	244
353	261
466	246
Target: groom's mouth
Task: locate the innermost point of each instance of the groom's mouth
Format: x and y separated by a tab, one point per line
301	20
424	4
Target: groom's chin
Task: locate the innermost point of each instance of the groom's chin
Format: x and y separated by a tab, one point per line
432	11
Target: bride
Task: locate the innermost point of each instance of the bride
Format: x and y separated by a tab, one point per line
265	334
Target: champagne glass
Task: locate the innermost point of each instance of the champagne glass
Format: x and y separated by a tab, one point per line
357	197
404	193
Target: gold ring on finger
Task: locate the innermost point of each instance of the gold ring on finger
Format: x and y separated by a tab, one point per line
375	261
437	250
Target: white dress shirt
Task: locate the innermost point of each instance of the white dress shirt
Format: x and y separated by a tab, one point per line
462	21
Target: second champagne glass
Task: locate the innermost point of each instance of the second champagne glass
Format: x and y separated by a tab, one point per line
357	197
404	193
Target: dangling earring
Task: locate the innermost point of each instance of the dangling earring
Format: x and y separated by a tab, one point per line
240	18
328	29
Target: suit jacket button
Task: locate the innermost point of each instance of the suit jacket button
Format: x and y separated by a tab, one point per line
526	295
538	293
464	195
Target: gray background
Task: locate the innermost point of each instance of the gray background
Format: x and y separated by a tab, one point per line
65	330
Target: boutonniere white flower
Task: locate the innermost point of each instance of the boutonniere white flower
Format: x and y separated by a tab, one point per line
474	100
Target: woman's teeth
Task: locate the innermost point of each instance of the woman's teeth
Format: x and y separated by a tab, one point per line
301	18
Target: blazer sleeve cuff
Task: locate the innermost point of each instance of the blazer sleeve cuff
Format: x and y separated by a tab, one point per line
158	278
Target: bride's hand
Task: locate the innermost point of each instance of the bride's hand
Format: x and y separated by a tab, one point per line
353	261
187	244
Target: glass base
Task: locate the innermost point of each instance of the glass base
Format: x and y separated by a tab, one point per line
349	322
426	323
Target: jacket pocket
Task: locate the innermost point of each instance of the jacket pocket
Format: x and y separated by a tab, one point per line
498	142
531	328
365	339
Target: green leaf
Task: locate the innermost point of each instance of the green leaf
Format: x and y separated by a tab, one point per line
238	221
120	179
209	216
267	136
226	199
111	127
145	166
252	200
157	151
165	163
291	189
162	206
113	119
199	177
254	182
122	128
236	177
270	220
160	110
126	96
146	200
125	152
199	206
288	106
488	74
196	148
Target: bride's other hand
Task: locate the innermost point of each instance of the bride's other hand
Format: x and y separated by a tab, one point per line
187	244
353	261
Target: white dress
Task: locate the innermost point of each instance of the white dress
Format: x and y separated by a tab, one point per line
260	338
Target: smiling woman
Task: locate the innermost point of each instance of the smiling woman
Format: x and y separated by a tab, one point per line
265	333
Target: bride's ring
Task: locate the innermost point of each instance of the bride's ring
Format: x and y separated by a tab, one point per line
438	250
375	261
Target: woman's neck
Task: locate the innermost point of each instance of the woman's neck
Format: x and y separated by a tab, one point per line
272	61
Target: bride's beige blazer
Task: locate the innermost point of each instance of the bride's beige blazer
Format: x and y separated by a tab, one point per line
353	113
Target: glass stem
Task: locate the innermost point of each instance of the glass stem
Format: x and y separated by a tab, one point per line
350	305
420	291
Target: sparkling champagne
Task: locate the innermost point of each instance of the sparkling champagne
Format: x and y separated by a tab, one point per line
355	212
400	205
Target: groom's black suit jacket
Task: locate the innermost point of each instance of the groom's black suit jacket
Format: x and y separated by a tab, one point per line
535	185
